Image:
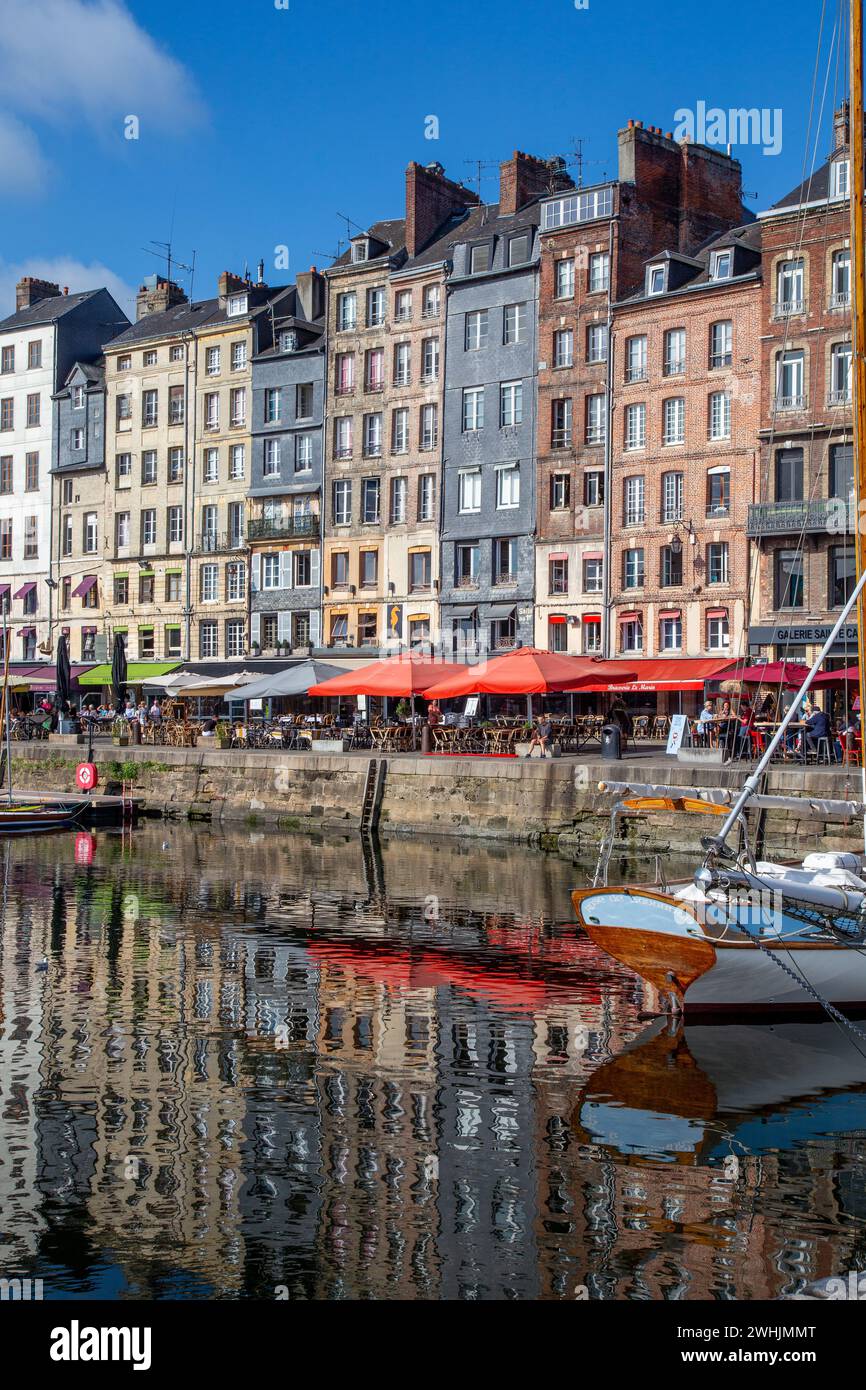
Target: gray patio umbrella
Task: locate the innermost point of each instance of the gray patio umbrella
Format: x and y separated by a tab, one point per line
293	680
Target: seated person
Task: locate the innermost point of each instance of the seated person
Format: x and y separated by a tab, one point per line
817	727
541	736
705	723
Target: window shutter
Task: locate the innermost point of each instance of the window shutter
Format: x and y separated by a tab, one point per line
315	568
255	573
285	569
256	628
315	628
284	627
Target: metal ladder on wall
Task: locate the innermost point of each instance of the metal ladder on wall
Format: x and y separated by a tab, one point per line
373	788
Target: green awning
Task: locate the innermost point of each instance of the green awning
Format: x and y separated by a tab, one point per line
138	672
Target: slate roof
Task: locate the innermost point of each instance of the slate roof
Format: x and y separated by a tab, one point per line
815	189
748	236
45	310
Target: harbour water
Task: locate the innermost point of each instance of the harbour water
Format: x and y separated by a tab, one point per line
243	1063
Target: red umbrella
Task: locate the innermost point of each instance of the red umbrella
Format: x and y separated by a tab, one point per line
525	671
406	674
847	675
787	673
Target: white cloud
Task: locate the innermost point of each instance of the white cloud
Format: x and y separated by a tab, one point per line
67	273
23	168
67	62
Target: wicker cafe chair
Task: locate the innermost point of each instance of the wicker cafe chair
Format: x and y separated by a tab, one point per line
661	725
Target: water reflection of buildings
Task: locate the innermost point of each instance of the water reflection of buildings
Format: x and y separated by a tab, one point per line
249	1066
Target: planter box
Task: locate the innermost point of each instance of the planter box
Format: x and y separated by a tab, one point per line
67	740
330	745
222	743
522	750
120	740
701	757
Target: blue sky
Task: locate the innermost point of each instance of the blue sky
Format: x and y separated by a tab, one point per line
259	125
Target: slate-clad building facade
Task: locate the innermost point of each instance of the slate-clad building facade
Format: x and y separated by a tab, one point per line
78	477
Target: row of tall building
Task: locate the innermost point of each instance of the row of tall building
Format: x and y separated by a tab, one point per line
611	419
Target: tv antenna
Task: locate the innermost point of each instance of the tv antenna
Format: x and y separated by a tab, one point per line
164	253
578	159
479	165
332	255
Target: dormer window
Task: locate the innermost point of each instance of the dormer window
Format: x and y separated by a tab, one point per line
479	258
839	181
360	250
288	341
237	304
721	265
655	279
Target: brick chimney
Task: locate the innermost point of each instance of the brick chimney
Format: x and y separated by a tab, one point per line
157	294
841	127
231	284
430	201
522	178
310	286
30	290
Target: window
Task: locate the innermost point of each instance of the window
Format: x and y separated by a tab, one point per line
399	492
789	579
208	640
175	352
431	302
839	180
717	562
841	473
149	410
173	580
720	415
596	419
31	472
237	460
235	642
67	490
148	467
561	423
842	575
146	583
840	374
674	430
79	398
374	372
339	627
344	373
635	426
672	497
840	280
303	453
211	465
674	352
212	361
671	633
340	569
599	271
671	571
469	490
403	306
420	570
508	487
560	492
514	323
475	330
372	436
510	404
593	488
721	264
6	473
375	307
473	408
557	577
342	502
367	629
370	500
121	530
343	446
518	249
721	343
633	568
578	207
237	305
718	492
655	279
271	458
91	533
504	561
591	636
34	354
174	525
176	405
467	558
369	569
236	523
7	413
789	287
430	359
635	358
273	400
427	497
479	258
596	342
6	538
563	279
563	347
789	475
65	535
347	310
270	572
634	501
235	581
124	362
631	635
239	356
592	574
121	590
400	431
77	440
212	410
718	633
209	527
33	410
209	583
31	536
172	641
238	406
7	360
429	426
148	526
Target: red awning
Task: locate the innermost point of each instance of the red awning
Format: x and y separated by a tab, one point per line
591	618
845	675
558	555
524	671
26	631
25	590
556	618
592	555
717	612
85	586
670	613
649	674
628	617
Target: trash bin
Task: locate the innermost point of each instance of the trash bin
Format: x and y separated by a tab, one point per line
611	742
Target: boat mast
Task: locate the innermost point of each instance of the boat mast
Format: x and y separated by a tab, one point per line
858	335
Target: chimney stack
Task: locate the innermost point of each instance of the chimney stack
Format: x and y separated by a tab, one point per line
29	291
231	284
310	289
430	200
155	295
842	127
523	177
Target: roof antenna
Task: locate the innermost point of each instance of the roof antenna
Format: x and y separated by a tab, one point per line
479	165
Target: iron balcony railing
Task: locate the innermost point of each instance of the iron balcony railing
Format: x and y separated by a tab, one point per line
830	514
212	542
287	527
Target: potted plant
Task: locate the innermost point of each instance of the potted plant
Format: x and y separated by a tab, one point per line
256	648
222	735
120	733
403	708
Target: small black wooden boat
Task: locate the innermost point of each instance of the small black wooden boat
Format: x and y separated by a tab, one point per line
19	817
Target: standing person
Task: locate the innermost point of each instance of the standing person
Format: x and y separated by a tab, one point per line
155	712
434	714
618	714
